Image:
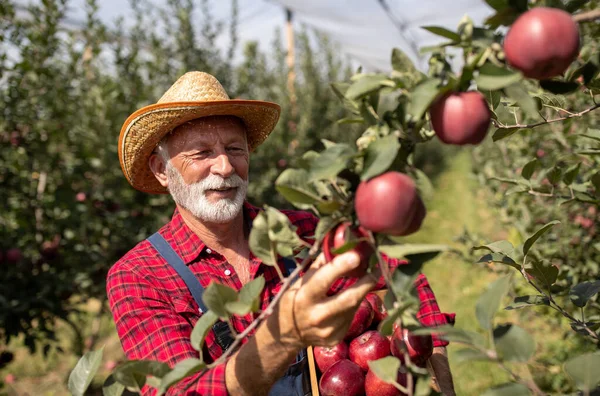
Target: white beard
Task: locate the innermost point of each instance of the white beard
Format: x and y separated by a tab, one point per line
193	196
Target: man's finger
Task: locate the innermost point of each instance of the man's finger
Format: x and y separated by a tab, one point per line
321	280
351	297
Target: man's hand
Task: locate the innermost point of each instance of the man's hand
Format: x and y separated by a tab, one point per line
319	319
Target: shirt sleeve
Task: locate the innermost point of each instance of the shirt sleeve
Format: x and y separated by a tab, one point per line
149	328
429	313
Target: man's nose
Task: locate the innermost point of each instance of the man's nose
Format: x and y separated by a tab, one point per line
222	166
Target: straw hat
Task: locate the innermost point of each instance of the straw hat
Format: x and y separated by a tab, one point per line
194	95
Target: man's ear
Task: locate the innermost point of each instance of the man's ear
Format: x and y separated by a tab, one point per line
158	167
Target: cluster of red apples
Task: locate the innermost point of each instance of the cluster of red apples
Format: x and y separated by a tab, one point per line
344	367
541	44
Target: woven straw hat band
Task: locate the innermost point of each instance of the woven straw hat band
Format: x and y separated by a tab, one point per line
194	95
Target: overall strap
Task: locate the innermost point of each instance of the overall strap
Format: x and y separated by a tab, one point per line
192	283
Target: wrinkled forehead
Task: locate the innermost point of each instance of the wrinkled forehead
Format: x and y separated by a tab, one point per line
210	128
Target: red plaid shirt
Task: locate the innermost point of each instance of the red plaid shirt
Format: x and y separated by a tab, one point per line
155	313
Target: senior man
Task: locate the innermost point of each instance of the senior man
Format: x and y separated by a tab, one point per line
195	144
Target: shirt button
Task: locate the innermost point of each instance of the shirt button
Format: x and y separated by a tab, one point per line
208	251
227	272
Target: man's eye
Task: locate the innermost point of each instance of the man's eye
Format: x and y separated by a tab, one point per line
235	149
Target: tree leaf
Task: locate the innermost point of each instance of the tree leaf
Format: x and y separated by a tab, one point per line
520	95
422	97
401	62
453	334
490	300
581	293
293	184
492	97
379	155
571	173
407	249
469	355
502	133
112	387
330	162
324	226
238	307
497	5
559	87
282	233
555	174
492	77
385	368
424	184
216	296
250	293
201	329
133	373
507	389
528	301
500	259
513	343
528	169
259	241
443	32
504	247
584	370
532	239
183	369
82	375
365	85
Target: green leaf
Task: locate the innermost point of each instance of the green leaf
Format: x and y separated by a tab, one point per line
490	300
584	370
571	173
504	247
133	373
528	301
492	97
324	226
379	156
216	296
591	134
282	233
520	95
183	369
503	133
366	85
250	293
469	355
293	184
555	174
545	273
350	120
581	293
82	375
407	249
559	87
423	95
424	184
532	239
112	387
507	389
442	31
401	62
238	307
453	334
492	77
500	259
385	368
331	162
513	343
259	241
201	329
497	5
528	169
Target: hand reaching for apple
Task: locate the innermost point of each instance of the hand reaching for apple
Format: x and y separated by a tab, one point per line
319	319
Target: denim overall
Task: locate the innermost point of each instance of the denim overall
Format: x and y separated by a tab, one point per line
295	381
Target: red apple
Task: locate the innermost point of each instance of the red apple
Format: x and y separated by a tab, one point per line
361	321
344	378
14	255
418	218
461	118
342	234
542	43
419	348
371	345
387	203
80	197
327	356
379	310
374	386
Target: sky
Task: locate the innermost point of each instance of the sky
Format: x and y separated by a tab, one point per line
362	28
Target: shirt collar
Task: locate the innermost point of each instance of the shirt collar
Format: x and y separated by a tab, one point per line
189	245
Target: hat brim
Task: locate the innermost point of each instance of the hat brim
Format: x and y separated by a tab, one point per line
145	128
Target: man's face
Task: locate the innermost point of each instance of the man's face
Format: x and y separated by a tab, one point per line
208	170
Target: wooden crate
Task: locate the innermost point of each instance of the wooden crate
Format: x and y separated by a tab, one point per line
312	365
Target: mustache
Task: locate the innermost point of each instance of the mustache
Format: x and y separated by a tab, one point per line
213	182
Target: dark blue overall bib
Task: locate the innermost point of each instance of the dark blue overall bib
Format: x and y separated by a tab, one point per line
295	381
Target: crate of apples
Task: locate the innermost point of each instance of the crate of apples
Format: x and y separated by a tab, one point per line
343	370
